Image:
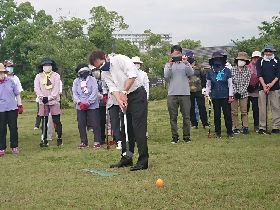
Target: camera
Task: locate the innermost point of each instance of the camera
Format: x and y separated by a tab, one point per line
177	59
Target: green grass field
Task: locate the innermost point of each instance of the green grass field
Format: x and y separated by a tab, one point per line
241	173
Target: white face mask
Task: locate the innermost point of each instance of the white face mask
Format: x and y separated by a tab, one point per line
241	63
138	65
47	69
268	57
96	74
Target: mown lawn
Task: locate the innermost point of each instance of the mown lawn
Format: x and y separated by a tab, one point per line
242	173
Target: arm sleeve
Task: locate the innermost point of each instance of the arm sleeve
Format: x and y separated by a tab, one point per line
128	66
230	86
109	82
203	78
189	70
167	71
208	87
18	83
93	96
37	87
56	88
76	98
146	85
259	67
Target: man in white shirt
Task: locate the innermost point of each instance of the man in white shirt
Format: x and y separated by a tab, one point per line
120	74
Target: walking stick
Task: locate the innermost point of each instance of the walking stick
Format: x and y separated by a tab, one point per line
107	121
209	113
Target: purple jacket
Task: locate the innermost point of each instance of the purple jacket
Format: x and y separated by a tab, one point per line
8	93
91	97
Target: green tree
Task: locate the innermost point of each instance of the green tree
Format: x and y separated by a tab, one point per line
125	47
190	44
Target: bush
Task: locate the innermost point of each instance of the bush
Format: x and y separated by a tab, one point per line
158	93
66	104
28	95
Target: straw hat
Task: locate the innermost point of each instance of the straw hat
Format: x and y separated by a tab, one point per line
243	56
136	59
2	68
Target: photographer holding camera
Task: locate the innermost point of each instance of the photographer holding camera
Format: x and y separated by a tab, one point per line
177	72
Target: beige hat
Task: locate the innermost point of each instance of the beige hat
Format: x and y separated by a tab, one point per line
243	56
256	54
2	68
136	59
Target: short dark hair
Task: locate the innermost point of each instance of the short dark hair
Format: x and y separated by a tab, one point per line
96	54
176	48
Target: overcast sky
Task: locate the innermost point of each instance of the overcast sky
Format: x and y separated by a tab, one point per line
214	22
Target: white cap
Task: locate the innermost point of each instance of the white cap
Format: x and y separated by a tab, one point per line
136	59
256	54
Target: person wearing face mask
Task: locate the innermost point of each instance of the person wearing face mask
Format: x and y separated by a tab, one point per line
85	96
219	88
268	69
120	75
197	82
10	102
240	78
177	73
47	88
253	89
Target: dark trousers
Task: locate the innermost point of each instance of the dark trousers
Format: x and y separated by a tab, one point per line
38	118
223	104
8	118
137	124
57	126
173	103
201	107
114	112
255	108
102	114
89	118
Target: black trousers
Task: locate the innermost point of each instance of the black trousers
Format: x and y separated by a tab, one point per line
89	118
198	96
102	114
223	104
137	124
255	108
115	112
38	118
8	118
57	126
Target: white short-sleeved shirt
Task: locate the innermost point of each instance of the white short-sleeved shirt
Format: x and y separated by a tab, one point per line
17	82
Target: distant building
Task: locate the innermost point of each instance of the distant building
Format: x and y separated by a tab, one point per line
207	51
137	39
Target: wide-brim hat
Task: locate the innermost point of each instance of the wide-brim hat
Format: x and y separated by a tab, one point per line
217	54
136	59
256	54
47	61
243	56
2	68
269	48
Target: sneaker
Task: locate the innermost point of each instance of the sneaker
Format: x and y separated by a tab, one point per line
230	135
36	128
2	153
90	129
44	143
206	127
59	142
174	140
218	136
15	151
236	131
275	131
119	145
262	132
187	140
97	146
83	146
256	129
245	131
194	127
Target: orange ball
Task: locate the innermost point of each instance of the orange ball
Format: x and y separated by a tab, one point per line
160	183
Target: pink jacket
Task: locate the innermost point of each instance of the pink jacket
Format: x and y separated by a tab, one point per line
53	94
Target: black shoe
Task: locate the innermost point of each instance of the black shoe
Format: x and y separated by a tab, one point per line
59	142
124	162
187	140
275	131
236	131
218	135
174	140
262	132
139	166
44	143
230	135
